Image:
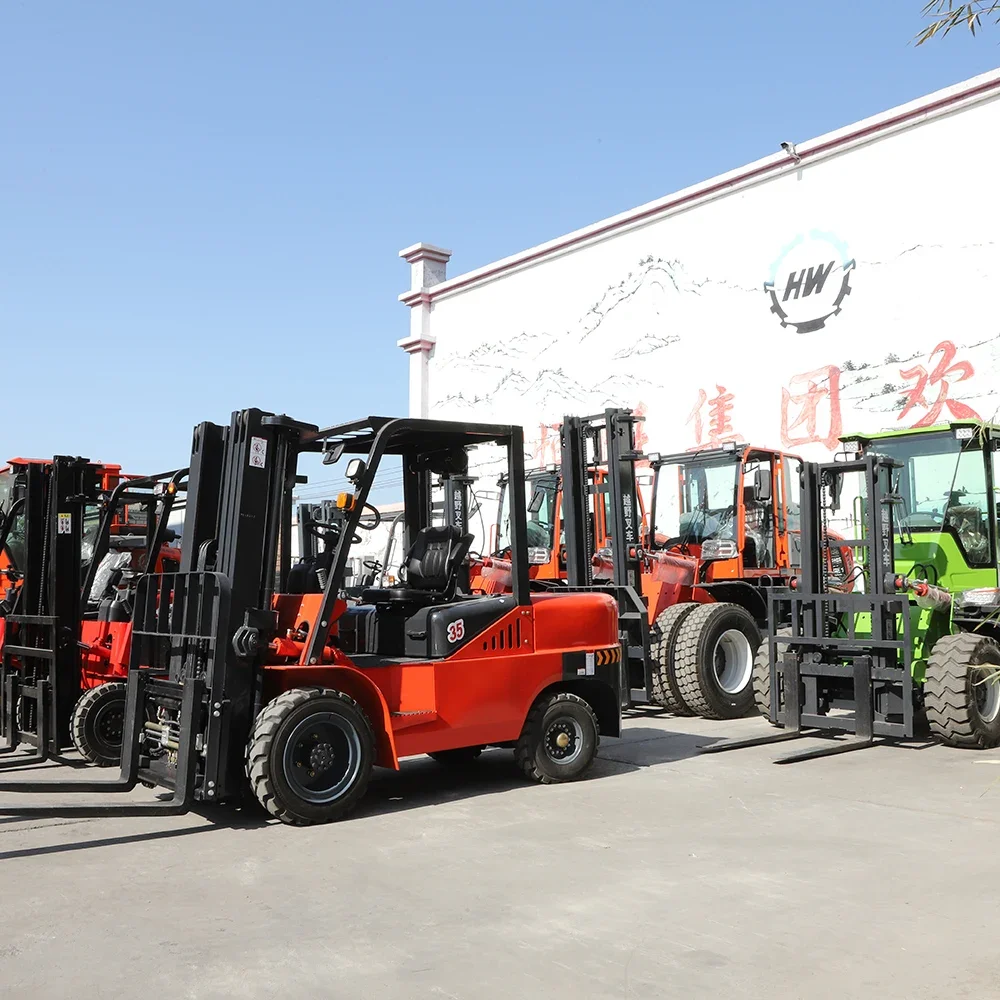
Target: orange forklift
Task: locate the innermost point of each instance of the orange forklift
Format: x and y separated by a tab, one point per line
240	684
722	529
75	537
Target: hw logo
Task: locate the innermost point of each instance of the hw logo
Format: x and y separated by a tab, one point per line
809	280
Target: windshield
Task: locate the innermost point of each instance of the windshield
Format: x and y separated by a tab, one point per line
696	501
540	497
944	489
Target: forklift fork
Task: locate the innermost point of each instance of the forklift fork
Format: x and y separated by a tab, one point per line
792	721
131	771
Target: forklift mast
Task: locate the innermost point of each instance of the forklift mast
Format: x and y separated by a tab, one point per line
590	443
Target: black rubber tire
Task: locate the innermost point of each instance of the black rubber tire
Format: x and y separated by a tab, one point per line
694	664
662	643
266	759
97	722
534	752
950	691
457	759
762	678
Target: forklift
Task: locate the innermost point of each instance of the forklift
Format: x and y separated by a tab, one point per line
76	537
242	686
914	645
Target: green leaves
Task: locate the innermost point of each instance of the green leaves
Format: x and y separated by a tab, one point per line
946	15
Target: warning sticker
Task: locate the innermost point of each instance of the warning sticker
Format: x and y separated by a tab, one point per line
65	524
258	453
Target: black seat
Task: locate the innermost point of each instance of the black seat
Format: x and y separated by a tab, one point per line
432	566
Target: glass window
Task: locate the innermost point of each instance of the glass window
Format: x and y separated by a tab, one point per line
696	501
943	487
540	494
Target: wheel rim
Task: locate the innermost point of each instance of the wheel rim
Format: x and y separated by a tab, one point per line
987	691
322	758
733	661
563	740
109	722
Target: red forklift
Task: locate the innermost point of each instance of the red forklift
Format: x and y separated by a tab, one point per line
240	684
76	537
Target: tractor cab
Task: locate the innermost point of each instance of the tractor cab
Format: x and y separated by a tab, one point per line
730	508
946	511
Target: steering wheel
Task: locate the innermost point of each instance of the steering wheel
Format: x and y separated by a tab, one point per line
372	564
323	529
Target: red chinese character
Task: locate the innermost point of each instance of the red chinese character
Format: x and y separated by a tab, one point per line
801	406
640	435
548	448
720	427
945	368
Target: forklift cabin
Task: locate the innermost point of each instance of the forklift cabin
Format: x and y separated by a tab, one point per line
245	678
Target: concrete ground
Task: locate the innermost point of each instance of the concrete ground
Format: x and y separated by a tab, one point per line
665	874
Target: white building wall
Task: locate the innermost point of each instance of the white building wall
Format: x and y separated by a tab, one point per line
677	307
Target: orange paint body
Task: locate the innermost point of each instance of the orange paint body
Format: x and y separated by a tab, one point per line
480	694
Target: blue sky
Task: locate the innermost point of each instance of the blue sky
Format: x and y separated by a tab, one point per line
201	204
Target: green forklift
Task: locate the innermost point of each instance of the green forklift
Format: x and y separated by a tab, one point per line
911	642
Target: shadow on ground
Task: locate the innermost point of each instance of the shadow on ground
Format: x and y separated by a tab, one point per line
420	782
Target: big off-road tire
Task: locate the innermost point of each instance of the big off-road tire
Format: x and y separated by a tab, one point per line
559	740
310	755
962	710
97	723
713	660
662	643
762	677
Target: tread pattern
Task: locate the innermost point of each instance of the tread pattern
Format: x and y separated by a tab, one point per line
258	752
762	678
524	750
686	658
947	695
663	640
85	704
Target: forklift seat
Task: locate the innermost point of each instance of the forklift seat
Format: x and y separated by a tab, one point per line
432	566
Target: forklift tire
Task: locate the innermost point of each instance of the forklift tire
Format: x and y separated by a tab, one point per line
963	708
97	723
457	759
663	642
762	678
310	755
713	660
559	740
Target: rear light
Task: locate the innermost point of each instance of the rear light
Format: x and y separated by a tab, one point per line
538	557
715	548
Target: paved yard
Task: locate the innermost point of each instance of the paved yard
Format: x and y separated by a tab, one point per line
666	874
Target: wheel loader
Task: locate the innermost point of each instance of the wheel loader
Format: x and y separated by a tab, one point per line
722	530
914	644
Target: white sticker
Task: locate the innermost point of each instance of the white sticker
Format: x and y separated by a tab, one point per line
65	524
456	630
258	452
590	664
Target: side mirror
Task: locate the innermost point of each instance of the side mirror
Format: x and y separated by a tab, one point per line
762	485
331	455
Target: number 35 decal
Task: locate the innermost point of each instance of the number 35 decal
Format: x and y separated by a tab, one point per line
456	630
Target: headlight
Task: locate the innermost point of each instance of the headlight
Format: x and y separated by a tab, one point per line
715	548
981	596
538	557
